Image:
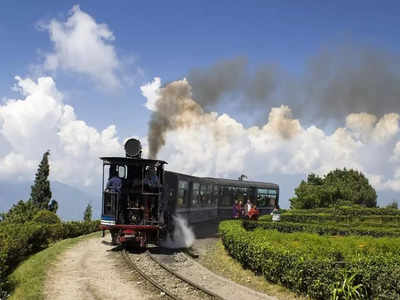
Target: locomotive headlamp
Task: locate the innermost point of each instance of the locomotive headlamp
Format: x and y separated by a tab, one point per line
133	148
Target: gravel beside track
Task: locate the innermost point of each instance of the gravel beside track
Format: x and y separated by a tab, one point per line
193	271
173	286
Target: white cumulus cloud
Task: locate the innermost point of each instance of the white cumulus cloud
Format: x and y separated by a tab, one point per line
84	46
41	121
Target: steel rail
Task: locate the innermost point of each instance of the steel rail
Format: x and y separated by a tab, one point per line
146	277
169	270
188	281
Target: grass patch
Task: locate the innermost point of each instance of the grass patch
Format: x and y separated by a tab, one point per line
29	277
218	260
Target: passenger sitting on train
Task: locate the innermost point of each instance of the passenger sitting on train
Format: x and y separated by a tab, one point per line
253	213
114	184
151	178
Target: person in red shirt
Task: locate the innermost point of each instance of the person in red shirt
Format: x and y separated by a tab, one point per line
253	213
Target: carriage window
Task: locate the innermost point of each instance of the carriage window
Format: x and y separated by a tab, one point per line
183	193
121	171
205	195
215	195
266	197
227	195
209	195
241	194
196	195
106	172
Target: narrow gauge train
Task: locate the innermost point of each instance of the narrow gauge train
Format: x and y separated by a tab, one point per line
140	198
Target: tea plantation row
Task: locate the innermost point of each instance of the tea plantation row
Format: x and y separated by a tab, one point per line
327	229
389	220
318	265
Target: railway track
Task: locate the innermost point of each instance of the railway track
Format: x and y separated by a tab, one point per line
166	280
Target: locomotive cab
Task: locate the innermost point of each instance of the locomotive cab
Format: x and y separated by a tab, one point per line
133	207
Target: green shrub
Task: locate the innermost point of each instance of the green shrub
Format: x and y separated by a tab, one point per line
346	211
317	265
329	229
20	213
46	217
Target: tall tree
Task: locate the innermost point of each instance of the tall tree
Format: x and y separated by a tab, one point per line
40	190
87	216
338	187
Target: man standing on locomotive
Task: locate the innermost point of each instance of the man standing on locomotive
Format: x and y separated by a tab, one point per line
114	184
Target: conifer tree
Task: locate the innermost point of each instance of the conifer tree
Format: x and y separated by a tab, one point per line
87	216
40	190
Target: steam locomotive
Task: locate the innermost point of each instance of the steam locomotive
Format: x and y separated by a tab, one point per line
140	198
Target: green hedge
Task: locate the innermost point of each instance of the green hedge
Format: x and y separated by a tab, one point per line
315	265
347	211
323	228
18	241
390	220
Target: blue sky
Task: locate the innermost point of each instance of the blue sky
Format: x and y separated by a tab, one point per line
167	39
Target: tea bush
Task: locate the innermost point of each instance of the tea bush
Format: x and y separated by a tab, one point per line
392	220
316	265
327	229
347	211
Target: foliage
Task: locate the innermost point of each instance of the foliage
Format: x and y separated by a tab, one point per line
373	220
346	290
46	217
87	215
336	188
326	229
21	212
53	206
40	190
345	211
317	265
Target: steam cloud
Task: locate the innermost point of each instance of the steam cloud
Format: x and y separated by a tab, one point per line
336	83
182	237
173	109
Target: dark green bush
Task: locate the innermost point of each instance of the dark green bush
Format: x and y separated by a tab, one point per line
20	213
314	265
46	217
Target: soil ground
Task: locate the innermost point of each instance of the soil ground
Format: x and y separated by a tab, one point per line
91	270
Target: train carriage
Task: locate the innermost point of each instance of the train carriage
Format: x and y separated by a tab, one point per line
200	199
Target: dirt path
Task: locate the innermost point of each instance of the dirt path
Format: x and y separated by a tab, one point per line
90	271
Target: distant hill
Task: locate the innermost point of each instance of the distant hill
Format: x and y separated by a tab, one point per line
72	201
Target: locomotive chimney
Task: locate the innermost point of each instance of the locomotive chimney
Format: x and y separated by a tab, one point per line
133	148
